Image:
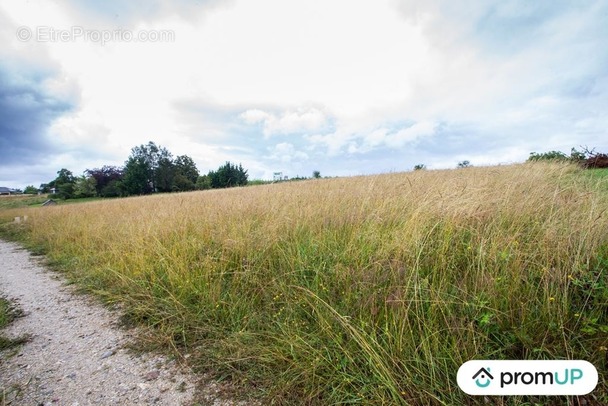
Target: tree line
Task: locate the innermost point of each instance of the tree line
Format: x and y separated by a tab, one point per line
152	169
586	158
149	169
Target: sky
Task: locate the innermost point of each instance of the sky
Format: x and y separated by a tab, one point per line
342	87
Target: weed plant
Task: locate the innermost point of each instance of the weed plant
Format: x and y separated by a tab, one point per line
8	313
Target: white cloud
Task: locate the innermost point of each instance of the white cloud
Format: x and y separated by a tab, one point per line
254	116
345	55
290	122
333	143
404	136
286	153
371	139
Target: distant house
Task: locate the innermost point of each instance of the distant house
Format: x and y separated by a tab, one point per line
7	191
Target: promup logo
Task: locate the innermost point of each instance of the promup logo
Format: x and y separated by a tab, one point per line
485	376
527	377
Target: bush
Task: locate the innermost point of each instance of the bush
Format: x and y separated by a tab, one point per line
548	156
203	182
114	188
30	190
586	158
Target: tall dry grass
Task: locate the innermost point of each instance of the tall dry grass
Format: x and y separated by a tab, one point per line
365	290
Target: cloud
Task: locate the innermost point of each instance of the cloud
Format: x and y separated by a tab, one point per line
120	13
27	108
29	105
298	121
287	153
367	140
403	136
333	143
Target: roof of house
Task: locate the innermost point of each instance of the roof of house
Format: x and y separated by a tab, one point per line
5	189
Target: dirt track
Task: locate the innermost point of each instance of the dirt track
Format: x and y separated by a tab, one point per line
76	354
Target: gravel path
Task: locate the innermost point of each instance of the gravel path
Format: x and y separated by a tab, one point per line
76	354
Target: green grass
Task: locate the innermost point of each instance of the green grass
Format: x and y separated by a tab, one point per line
81	200
596	174
366	290
8	313
25	201
5	313
17	201
258	182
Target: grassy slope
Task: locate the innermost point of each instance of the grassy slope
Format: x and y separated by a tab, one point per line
368	289
17	201
26	201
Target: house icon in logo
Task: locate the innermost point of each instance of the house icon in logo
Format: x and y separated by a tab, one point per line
483	374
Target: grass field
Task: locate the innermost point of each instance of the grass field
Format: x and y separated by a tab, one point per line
18	201
369	290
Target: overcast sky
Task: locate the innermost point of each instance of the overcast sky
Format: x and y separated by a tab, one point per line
343	87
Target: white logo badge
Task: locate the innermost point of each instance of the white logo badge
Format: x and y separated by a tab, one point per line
527	377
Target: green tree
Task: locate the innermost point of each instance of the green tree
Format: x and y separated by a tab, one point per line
64	176
30	190
464	164
137	176
575	156
164	173
185	166
316	174
419	167
203	182
241	176
182	184
64	184
579	156
85	187
104	176
186	173
228	175
548	156
149	168
114	188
